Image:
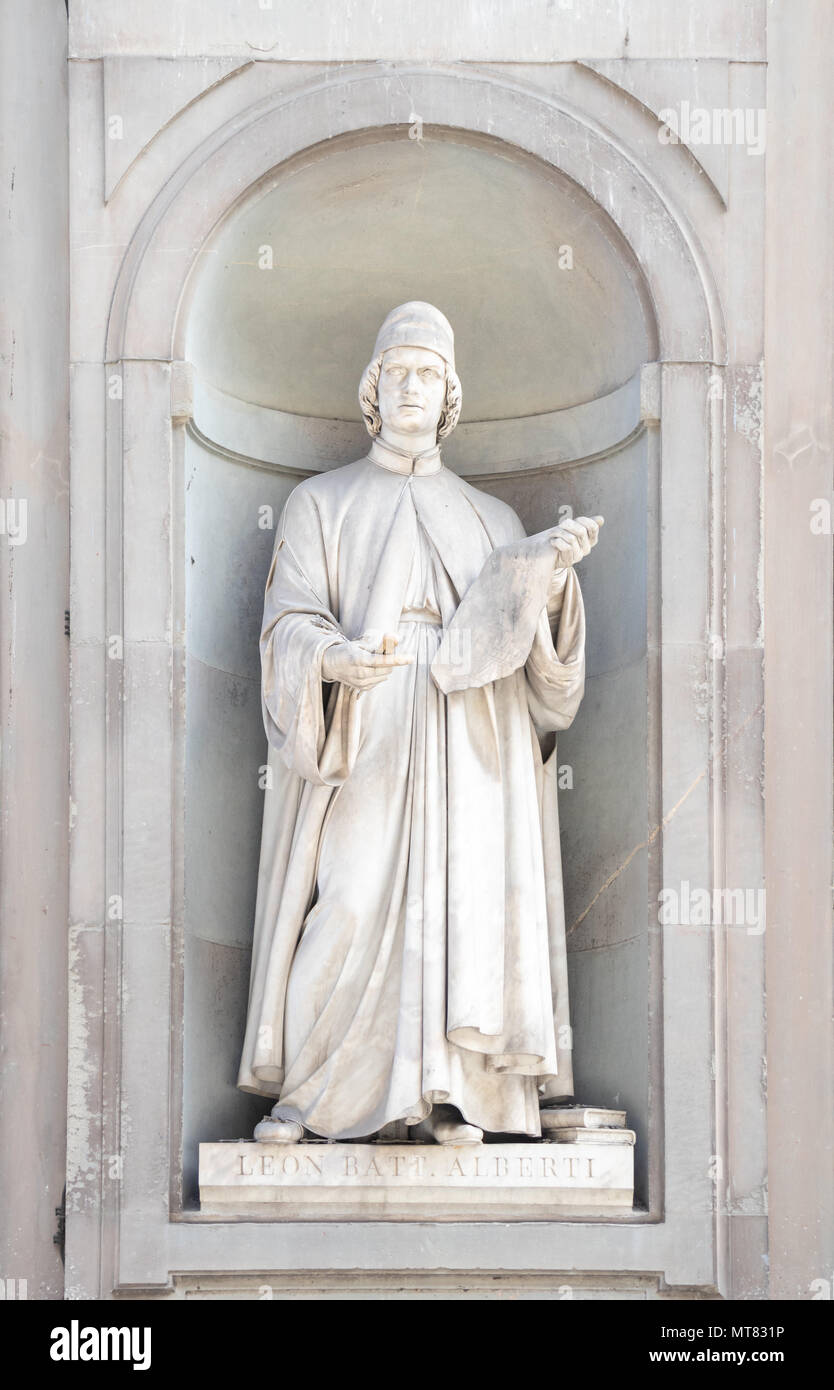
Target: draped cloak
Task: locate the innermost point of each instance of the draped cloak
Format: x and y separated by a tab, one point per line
409	944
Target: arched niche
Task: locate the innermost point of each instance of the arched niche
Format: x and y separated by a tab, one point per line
612	452
553	324
550	307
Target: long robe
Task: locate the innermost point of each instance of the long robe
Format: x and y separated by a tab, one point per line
409	942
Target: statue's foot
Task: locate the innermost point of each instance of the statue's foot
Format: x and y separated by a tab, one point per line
271	1131
457	1132
446	1126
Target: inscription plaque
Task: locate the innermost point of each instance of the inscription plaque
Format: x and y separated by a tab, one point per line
389	1180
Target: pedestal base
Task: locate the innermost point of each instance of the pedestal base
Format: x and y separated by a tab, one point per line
412	1181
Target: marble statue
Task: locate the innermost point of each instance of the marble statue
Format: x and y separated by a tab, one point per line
419	654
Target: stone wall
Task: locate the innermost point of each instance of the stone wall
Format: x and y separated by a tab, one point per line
247	182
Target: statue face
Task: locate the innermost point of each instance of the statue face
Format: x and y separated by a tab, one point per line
412	390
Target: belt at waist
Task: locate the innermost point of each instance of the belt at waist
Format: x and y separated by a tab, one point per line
421	615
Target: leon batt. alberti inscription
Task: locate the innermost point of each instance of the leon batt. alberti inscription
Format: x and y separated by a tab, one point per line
428	1163
538	1180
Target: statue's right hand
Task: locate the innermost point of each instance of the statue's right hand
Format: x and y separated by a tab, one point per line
356	666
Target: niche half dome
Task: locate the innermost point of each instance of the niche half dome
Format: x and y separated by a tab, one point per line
353	228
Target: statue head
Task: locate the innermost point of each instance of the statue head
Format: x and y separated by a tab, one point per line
410	384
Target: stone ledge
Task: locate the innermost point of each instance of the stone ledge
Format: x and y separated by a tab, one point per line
395	1180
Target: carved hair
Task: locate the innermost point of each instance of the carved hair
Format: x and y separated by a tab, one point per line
369	400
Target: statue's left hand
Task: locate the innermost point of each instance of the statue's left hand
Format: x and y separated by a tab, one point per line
574	539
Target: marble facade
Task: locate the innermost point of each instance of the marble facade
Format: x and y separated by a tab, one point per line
690	400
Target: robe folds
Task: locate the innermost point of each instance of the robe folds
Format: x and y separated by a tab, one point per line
409	944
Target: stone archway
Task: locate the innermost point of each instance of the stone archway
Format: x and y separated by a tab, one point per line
233	159
146	346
